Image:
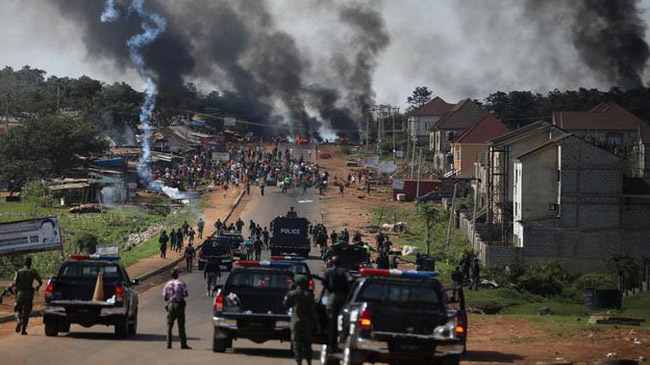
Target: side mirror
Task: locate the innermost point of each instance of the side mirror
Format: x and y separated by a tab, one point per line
135	281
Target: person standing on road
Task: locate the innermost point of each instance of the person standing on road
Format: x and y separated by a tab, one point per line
186	228
163	244
341	188
336	283
476	275
262	186
266	236
367	186
457	278
24	286
174	294
303	318
211	272
199	226
240	224
225	190
189	257
191	234
257	247
218	225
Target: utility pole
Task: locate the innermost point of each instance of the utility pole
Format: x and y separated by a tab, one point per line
417	189
394	148
367	131
408	145
476	187
451	215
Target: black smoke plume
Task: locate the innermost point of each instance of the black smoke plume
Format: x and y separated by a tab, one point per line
169	58
237	46
609	36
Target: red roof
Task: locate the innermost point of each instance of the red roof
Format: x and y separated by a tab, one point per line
484	130
601	117
435	106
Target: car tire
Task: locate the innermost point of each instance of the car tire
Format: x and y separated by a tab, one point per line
133	326
122	328
51	327
219	344
450	360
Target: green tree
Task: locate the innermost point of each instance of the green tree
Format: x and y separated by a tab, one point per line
421	95
429	215
626	268
47	146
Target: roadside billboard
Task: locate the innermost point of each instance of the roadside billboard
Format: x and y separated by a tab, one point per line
35	235
371	161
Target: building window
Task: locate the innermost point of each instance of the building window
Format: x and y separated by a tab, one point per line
614	139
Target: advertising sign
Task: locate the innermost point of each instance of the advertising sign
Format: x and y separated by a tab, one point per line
229	122
30	236
371	161
387	167
220	156
398	184
399	154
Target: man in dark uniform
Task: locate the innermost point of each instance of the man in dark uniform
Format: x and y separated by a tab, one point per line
24	286
476	275
189	257
174	293
266	236
303	318
336	282
163	244
257	248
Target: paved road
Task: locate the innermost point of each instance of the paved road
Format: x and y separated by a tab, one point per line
96	345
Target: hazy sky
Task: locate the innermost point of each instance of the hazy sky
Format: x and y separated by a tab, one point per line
459	48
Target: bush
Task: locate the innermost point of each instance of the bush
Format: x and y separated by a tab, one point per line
596	281
36	193
87	243
548	279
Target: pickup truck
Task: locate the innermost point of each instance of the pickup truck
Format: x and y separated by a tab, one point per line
394	316
250	305
352	257
216	248
69	296
234	239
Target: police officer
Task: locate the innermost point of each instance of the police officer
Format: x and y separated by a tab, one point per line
189	256
257	248
24	286
303	318
211	273
336	282
476	275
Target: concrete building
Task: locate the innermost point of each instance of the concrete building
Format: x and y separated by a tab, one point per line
449	126
423	118
473	143
610	126
569	204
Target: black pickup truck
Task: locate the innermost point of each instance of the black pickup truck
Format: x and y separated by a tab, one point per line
250	305
216	248
398	317
352	257
290	235
69	296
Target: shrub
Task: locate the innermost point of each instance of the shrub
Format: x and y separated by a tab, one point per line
87	243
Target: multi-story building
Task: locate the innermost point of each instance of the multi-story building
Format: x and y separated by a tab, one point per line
423	118
444	131
473	143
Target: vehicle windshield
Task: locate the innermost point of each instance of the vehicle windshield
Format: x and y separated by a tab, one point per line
90	271
399	293
258	279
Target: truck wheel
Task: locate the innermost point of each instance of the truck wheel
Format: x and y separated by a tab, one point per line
350	355
65	327
219	344
51	327
133	326
121	328
450	360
